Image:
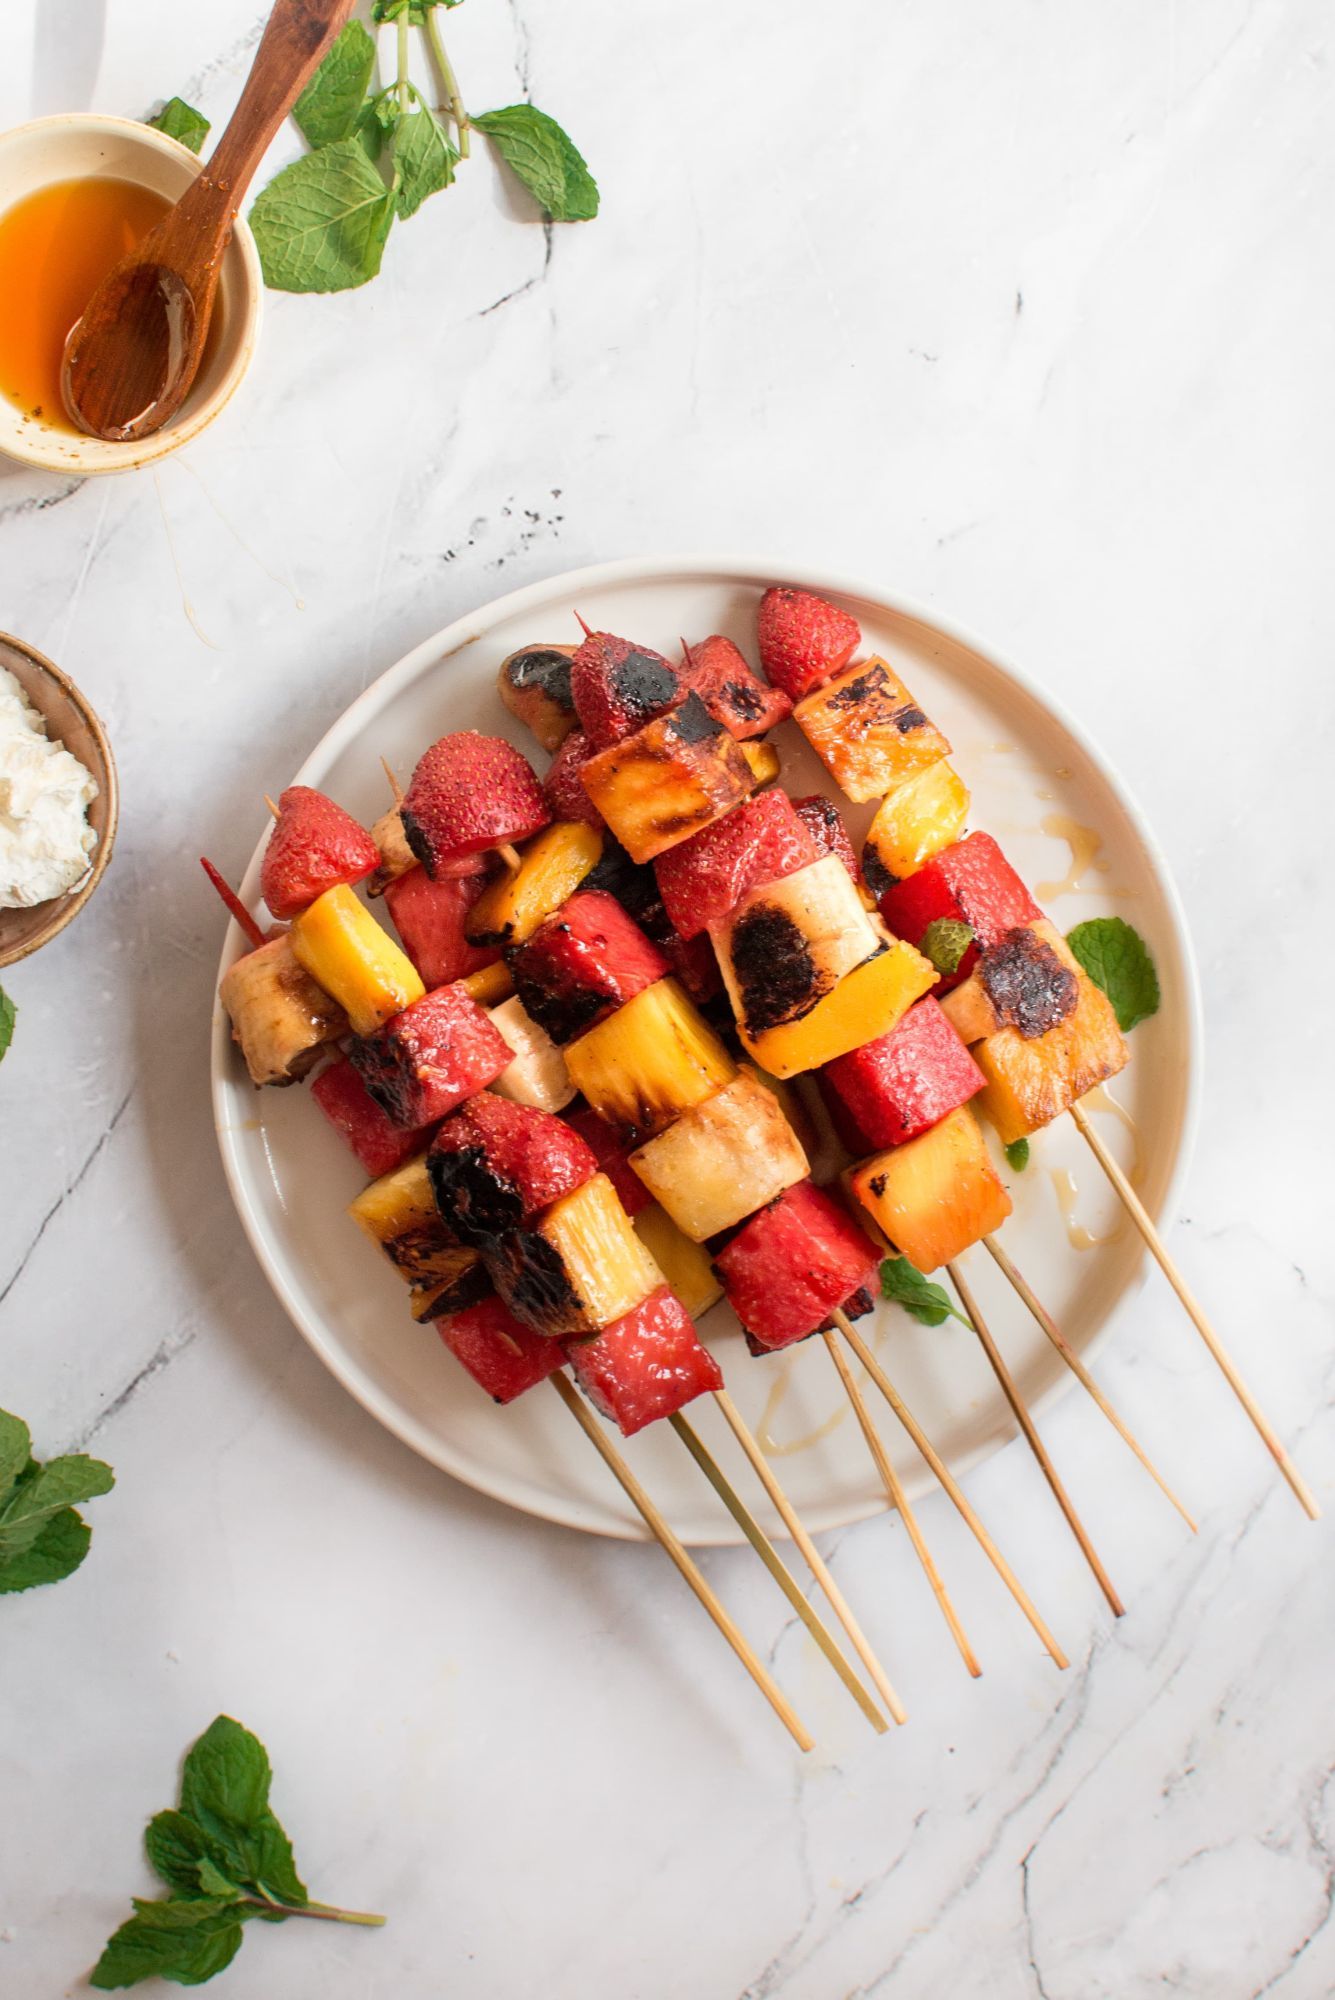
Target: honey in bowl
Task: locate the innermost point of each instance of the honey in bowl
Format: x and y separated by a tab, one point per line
56	246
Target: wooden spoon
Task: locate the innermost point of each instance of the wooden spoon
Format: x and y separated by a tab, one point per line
131	359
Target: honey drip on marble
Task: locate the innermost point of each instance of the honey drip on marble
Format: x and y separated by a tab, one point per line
1084	843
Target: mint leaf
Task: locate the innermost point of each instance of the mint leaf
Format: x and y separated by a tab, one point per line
55	1552
275	1866
544	158
329	105
176	1847
945	942
1018	1154
321	224
375	124
180	120
1117	958
45	1491
226	1777
187	1942
905	1284
423	160
7	1013
15	1452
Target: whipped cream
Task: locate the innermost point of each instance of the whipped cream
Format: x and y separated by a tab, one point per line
45	792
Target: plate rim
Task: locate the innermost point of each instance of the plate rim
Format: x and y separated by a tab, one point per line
434	651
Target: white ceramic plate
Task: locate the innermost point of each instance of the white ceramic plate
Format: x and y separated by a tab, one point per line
1026	764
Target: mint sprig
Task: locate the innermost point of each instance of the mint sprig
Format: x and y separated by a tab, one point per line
379	151
8	1011
1117	958
945	942
1017	1154
226	1859
42	1538
905	1284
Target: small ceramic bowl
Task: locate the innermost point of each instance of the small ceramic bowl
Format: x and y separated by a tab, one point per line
70	147
71	720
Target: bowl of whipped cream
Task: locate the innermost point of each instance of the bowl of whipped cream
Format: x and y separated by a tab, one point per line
58	800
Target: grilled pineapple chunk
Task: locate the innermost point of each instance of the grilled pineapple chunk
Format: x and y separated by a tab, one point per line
347	952
723	1159
764	761
680	772
936	1194
538	1075
399	1212
1029	1083
577	1269
489	984
915	821
789	943
868	731
651	1060
866	1003
684	1264
551	868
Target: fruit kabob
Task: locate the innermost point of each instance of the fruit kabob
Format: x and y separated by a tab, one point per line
568	1256
1042	1033
718	1152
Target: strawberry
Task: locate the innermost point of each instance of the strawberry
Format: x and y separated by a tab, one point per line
314	846
618	686
731	690
563	786
469	792
803	640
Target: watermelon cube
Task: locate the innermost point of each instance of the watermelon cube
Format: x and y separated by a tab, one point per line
796	1260
647	1365
430	1057
825	823
582	964
612	1156
971	883
378	1142
759	841
892	1088
503	1357
429	917
494	1164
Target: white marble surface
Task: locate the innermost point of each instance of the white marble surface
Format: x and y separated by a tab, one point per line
1025	311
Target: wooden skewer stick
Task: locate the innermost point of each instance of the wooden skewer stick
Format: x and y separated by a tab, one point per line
685	1563
811	1555
1035	1442
1139	1214
509	854
899	1500
272	807
948	1482
394	784
587	630
777	1568
1077	1367
236	909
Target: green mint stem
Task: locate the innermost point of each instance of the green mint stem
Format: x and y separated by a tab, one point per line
403	61
329	1912
449	80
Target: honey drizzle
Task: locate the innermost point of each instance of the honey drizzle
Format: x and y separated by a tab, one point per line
784	1448
1084	843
